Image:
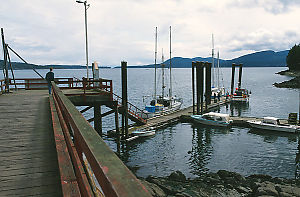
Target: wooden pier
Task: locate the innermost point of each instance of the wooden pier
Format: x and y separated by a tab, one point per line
28	156
173	117
49	149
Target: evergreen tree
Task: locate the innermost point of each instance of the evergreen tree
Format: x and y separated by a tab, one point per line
293	58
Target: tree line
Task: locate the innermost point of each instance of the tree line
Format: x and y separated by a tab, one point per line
293	58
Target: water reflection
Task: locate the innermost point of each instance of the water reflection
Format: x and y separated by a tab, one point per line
202	149
272	136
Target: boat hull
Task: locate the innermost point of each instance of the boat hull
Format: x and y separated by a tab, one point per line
280	128
210	122
143	133
240	99
166	110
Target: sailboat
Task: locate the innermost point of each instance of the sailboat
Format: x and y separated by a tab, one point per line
162	104
218	90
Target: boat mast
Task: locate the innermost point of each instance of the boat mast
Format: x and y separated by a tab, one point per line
213	61
163	74
218	71
170	93
155	57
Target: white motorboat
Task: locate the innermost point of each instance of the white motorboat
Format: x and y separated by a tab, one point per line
273	124
214	119
143	133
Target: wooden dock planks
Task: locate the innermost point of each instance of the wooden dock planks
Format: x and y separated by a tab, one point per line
164	120
27	150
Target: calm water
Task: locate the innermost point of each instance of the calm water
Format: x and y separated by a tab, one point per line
195	149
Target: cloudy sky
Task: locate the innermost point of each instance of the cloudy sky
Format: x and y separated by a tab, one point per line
52	31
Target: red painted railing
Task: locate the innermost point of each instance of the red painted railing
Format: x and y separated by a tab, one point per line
114	178
132	109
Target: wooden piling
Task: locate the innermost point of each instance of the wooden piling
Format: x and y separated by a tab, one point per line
232	78
98	119
201	64
240	76
117	125
199	83
207	84
193	86
5	66
124	98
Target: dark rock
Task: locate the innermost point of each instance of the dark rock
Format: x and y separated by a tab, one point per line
267	188
288	189
243	190
212	181
283	194
232	178
261	177
177	176
153	189
293	83
277	180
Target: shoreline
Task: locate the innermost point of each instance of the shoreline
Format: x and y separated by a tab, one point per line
222	183
292	83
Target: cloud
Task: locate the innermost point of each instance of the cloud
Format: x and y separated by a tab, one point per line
272	6
46	32
263	40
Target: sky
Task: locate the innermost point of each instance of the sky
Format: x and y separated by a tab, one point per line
53	31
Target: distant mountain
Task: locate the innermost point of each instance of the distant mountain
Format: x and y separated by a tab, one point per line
259	59
20	66
263	59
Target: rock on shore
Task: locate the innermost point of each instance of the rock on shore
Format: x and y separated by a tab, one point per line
222	183
293	83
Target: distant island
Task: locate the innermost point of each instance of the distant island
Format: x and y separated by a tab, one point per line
267	58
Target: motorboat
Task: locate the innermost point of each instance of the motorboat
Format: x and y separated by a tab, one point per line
240	95
273	124
143	133
214	119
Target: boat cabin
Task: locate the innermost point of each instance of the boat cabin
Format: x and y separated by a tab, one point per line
241	92
216	117
271	120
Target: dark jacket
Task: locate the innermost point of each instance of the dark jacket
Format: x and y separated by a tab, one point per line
50	77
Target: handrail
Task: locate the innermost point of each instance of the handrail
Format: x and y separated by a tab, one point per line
113	176
65	83
132	109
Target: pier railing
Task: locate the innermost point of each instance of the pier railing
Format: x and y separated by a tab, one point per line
73	83
114	178
132	109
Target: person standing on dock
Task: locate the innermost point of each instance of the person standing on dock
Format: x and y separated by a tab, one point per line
49	77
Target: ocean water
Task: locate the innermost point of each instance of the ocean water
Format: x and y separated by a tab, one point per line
195	149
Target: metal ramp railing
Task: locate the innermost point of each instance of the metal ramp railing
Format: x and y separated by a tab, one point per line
134	113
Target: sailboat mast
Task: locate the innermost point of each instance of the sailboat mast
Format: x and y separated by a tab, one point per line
218	71
163	75
155	57
213	61
170	93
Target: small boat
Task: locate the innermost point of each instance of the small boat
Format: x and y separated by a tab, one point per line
273	124
240	95
212	118
143	133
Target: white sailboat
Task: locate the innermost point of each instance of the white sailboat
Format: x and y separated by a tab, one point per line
162	104
218	90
